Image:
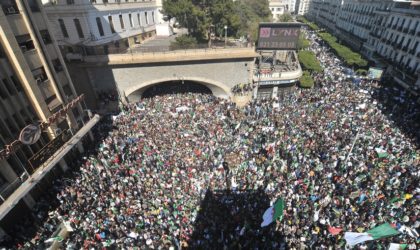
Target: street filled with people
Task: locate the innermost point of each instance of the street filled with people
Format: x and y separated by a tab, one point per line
194	171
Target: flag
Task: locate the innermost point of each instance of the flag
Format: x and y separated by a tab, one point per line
334	230
58	238
410	231
382	231
273	213
381	153
395	246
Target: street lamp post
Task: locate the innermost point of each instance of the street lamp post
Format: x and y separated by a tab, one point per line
225	35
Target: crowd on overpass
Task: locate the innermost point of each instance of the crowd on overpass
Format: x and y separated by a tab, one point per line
195	171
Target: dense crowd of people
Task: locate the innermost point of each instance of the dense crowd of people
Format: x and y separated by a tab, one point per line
194	171
242	89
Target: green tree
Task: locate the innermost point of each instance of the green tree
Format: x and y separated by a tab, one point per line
350	57
259	8
286	17
309	61
251	13
184	42
303	43
199	15
306	80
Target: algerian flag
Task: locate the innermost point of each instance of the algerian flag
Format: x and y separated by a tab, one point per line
381	153
395	246
273	213
382	231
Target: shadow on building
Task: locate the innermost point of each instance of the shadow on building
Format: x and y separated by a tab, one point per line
232	220
22	223
401	107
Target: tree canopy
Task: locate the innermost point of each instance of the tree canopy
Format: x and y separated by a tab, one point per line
198	16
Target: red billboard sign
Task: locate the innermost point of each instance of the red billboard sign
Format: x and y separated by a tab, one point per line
278	36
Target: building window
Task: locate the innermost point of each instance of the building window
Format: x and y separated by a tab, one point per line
145	16
57	65
138	17
45	36
2	54
17	83
3	93
131	20
153	17
100	28
39	75
78	27
70	1
13	130
111	24
67	90
33	4
25	42
18	121
9	7
8	86
121	21
63	28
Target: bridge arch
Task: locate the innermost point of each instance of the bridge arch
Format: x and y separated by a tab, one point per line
218	89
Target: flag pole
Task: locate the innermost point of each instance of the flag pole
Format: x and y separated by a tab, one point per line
180	238
352	146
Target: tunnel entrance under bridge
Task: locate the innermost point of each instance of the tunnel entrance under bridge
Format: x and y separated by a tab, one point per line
175	87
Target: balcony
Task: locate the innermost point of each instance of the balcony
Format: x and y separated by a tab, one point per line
53	102
25	43
9	8
412	32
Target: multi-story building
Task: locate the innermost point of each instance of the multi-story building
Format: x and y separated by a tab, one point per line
377	26
325	12
384	31
292	6
34	85
278	8
302	7
355	20
101	26
396	39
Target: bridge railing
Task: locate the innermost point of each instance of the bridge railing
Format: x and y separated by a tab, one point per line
159	48
175	55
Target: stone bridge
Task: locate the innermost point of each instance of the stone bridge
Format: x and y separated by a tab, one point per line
132	73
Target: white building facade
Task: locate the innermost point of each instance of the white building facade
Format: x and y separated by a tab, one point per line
386	32
302	7
279	7
101	26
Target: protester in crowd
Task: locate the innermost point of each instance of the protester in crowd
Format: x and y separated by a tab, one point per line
337	155
242	89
